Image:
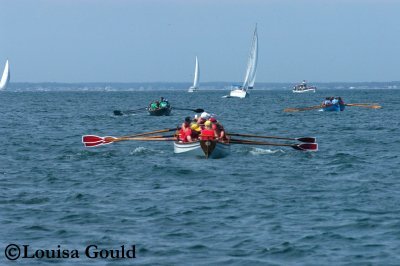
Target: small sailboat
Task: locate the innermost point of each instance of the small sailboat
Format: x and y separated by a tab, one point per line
250	77
196	82
6	77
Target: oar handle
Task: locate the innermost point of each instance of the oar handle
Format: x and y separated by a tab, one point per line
152	132
363	105
302	109
239	141
146	139
257	136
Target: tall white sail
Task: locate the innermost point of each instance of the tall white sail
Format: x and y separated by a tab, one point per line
196	81
5	78
196	75
250	76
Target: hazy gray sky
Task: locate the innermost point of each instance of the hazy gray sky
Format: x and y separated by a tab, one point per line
157	40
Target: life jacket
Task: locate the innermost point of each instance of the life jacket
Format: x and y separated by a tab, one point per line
184	133
163	104
207	134
153	106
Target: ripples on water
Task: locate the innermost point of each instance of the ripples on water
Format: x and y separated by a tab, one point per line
261	205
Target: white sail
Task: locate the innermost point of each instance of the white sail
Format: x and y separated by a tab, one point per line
250	77
196	81
5	78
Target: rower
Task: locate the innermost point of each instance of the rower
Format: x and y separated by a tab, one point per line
195	131
154	105
185	133
327	101
164	102
203	118
208	133
219	129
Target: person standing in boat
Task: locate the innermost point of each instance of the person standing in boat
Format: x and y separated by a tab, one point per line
304	84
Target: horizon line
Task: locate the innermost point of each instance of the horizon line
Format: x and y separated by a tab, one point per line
188	82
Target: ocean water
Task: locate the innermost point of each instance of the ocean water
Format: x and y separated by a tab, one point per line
258	206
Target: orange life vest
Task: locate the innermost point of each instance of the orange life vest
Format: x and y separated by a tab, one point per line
207	134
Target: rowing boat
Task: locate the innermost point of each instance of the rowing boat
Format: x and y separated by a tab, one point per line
334	107
160	111
203	148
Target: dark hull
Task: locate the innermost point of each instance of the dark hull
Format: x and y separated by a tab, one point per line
160	112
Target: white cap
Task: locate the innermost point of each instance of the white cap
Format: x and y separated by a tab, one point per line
205	115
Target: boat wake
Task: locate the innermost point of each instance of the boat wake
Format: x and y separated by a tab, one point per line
144	150
259	151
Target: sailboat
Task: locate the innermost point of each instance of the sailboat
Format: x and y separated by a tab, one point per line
196	82
250	77
5	78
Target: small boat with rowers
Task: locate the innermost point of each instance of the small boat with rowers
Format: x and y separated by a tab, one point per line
203	136
159	108
303	87
333	104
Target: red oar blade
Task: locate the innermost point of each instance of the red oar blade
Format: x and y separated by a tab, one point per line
306	147
91	138
307	139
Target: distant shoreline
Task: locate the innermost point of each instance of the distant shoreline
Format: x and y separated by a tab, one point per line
179	86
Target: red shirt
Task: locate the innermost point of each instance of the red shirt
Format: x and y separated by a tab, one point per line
207	134
184	133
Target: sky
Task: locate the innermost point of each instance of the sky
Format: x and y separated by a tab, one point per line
157	40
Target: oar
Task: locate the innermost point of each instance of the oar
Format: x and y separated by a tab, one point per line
364	105
302	109
94	138
199	110
152	132
128	112
301	146
97	141
304	139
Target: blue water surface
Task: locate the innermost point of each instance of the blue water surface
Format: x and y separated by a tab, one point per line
261	205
